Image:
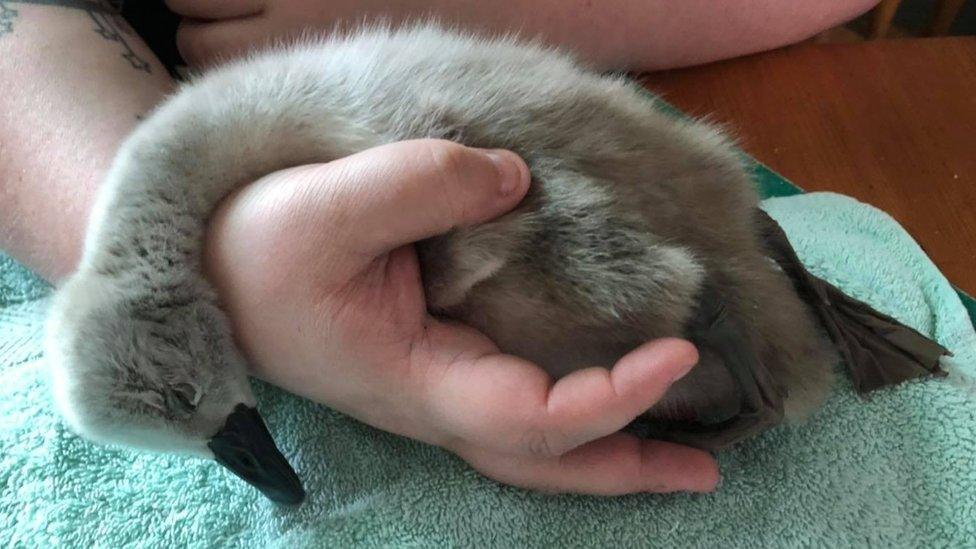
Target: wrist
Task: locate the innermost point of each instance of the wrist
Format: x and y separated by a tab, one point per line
251	256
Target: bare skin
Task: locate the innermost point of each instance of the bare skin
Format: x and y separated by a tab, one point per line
639	35
67	99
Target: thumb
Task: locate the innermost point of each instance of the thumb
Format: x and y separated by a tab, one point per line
404	192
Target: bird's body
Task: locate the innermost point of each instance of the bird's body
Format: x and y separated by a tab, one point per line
635	226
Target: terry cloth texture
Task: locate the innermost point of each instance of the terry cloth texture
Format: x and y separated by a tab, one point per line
896	470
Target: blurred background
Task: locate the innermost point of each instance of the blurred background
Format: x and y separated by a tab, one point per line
908	18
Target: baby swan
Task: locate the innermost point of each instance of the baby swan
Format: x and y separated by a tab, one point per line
631	216
636	226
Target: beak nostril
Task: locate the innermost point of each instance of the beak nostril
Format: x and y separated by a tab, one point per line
248	463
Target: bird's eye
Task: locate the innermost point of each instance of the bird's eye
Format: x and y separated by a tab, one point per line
184	398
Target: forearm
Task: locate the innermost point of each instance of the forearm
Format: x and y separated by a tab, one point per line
68	96
637	35
659	34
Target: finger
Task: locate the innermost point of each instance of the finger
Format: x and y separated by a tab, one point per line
215	9
592	403
203	43
614	465
511	405
403	192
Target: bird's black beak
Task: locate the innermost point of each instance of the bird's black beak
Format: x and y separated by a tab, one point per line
245	446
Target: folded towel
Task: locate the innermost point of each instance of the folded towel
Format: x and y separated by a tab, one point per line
896	469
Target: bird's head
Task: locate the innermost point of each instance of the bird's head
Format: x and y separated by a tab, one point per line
159	371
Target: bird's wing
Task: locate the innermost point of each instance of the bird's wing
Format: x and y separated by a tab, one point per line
878	350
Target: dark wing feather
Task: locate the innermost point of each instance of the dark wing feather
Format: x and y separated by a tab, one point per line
878	350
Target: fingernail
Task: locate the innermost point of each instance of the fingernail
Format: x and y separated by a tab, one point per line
684	368
682	372
513	170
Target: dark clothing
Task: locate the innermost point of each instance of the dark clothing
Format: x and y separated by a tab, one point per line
156	24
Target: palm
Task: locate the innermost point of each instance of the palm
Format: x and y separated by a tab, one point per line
502	414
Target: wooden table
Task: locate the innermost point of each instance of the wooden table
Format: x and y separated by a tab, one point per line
891	123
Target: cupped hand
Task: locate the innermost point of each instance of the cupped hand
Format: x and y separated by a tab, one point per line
317	270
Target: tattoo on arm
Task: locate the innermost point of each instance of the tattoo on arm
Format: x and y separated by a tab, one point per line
111	26
103	13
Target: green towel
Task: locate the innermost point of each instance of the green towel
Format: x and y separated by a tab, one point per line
895	470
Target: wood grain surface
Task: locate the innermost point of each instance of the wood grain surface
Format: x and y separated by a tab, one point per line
891	123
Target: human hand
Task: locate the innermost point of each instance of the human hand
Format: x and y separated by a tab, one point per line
316	268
